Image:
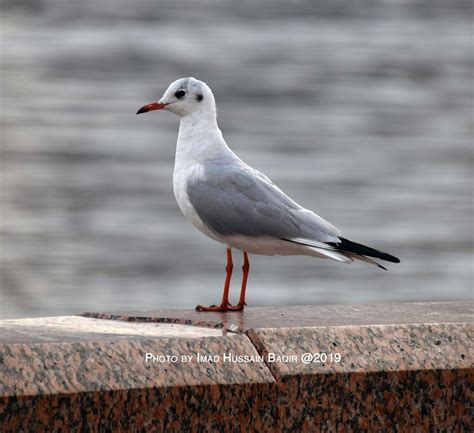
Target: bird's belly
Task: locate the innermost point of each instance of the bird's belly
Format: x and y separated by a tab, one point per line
266	246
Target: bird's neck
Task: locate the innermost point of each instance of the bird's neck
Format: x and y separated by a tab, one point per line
200	138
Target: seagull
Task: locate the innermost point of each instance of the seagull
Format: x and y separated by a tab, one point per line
237	205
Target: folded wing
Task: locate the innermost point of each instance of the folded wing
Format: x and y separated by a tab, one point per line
235	199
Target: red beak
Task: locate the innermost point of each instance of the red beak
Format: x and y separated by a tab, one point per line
151	107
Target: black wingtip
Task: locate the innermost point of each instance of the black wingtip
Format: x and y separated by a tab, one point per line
390	258
353	247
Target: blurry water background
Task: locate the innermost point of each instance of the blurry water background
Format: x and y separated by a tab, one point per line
362	111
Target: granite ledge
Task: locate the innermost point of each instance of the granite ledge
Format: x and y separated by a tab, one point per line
62	329
405	367
306	315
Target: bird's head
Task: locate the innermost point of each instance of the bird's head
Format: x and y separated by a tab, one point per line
183	97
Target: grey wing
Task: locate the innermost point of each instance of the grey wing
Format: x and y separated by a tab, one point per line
238	200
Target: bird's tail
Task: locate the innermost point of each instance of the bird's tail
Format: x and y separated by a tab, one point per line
346	251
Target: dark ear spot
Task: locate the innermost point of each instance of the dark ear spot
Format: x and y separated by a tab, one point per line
199	98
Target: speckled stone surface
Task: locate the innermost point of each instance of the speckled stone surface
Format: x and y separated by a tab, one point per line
99	380
399	368
75	328
307	315
400	378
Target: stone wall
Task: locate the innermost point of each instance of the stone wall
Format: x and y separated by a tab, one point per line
392	367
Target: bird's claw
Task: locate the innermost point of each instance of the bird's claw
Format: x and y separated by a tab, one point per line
220	308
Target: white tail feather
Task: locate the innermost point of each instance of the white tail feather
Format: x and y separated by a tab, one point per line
323	249
332	254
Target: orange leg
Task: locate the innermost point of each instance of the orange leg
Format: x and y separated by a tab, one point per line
225	295
245	270
245	276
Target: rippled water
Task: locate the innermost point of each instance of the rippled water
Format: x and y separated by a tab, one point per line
361	113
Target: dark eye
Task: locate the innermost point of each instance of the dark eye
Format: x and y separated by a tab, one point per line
180	93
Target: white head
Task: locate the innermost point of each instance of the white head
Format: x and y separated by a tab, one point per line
184	97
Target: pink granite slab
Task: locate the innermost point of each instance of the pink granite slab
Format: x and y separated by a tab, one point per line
76	328
403	368
98	379
307	315
401	378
